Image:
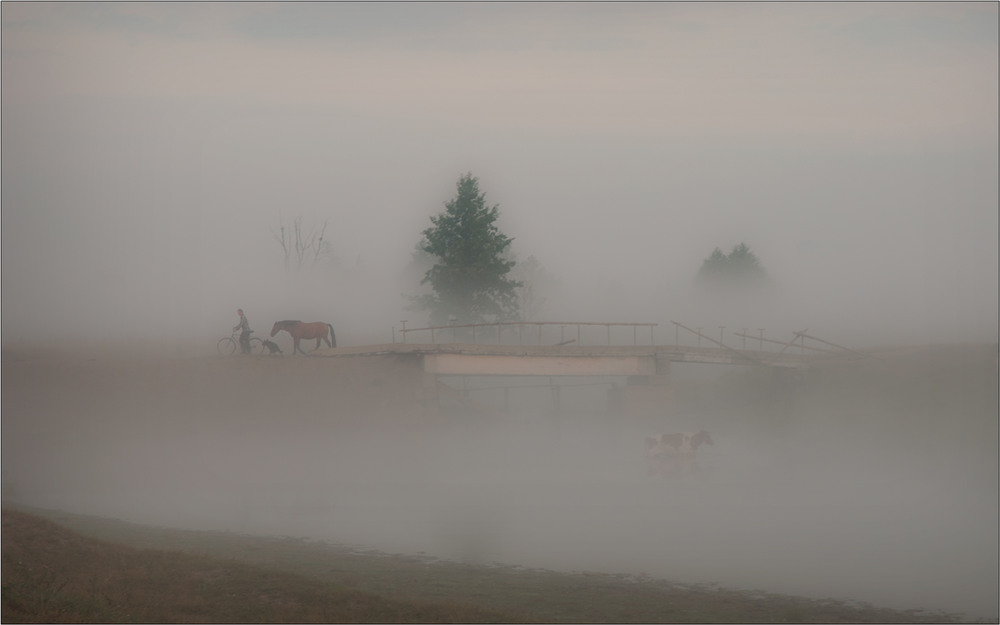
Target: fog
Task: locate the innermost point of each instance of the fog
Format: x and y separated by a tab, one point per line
872	480
152	151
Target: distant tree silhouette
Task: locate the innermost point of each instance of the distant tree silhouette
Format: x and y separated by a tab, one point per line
740	270
535	280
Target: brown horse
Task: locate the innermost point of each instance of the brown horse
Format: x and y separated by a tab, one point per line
299	330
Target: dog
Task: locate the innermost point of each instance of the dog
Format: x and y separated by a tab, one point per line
272	347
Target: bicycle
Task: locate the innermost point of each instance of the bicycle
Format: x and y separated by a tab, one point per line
229	345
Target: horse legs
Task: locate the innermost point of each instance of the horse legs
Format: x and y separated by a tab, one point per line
297	349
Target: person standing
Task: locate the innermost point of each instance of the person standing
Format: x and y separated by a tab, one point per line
243	325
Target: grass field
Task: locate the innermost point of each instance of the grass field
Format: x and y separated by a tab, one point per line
73	569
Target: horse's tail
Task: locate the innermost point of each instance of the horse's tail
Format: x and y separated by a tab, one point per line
333	337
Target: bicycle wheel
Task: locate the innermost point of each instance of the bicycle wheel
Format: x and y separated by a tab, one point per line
227	346
256	346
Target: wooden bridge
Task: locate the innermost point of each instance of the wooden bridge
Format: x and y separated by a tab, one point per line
645	366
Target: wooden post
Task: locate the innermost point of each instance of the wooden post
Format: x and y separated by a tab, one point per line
431	404
763	340
720	344
804	335
792	342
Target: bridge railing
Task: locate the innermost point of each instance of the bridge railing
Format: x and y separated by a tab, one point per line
797	342
514	332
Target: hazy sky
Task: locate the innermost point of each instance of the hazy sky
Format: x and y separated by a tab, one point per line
150	149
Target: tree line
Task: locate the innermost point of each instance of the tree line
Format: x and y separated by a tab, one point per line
471	278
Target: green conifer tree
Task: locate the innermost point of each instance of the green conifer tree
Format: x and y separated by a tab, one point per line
469	279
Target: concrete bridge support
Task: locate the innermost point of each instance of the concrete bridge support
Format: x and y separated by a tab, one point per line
645	395
430	397
647	390
646	368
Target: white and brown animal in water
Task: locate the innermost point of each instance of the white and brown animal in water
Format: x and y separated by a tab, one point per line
674	454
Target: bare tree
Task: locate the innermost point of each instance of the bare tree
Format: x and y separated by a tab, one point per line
302	248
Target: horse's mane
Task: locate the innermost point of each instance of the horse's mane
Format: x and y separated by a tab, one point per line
287	322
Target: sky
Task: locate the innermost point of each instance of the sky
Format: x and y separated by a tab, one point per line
152	150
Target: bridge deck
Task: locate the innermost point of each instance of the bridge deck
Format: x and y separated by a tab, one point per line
519	359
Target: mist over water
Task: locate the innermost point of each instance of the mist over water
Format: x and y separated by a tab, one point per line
826	486
152	150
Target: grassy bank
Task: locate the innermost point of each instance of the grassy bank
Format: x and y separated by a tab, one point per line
54	575
67	568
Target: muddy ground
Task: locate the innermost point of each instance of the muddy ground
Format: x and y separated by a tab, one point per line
875	481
